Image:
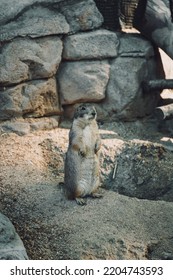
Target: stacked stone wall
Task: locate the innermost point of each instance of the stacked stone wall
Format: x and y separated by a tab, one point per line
56	54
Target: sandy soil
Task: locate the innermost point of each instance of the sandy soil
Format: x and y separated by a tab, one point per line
31	168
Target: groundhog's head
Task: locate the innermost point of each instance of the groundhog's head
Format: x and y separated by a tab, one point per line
85	111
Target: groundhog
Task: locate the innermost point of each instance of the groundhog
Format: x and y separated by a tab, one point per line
82	168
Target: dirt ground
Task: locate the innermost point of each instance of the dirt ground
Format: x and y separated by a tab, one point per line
31	168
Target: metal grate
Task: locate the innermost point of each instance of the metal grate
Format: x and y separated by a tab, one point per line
128	10
110	11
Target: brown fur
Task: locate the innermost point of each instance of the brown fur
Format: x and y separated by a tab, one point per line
82	170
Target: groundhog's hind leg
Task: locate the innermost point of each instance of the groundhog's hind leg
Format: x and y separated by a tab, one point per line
79	196
96	182
80	201
96	195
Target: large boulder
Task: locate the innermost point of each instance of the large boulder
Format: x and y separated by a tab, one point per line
35	23
124	95
10	9
22	126
98	44
134	45
141	169
83	81
50	17
137	62
132	60
11	246
157	25
81	15
33	99
25	59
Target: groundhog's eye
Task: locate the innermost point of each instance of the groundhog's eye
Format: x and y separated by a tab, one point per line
83	108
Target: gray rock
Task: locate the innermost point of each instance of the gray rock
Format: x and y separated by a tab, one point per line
162	249
11	8
33	99
50	17
124	95
83	81
25	59
46	123
11	246
90	45
23	126
134	45
20	128
35	22
157	24
81	15
136	62
143	170
166	127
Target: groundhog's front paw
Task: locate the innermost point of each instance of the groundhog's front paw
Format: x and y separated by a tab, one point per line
96	195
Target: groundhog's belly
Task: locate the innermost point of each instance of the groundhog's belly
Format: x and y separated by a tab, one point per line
89	139
89	175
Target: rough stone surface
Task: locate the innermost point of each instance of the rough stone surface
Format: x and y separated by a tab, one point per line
35	22
91	45
157	24
83	81
25	59
11	8
41	18
11	246
18	127
138	164
22	126
124	95
33	99
81	15
134	45
95	66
